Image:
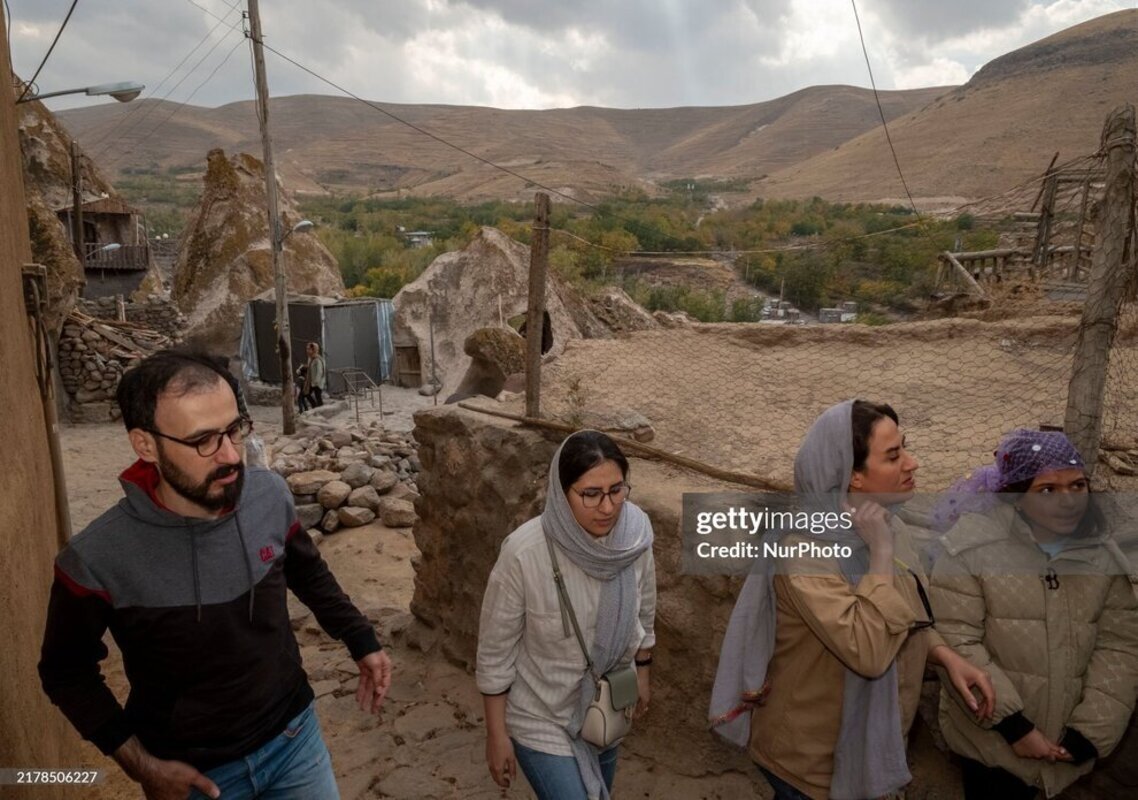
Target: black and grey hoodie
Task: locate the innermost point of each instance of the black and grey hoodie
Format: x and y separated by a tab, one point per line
198	609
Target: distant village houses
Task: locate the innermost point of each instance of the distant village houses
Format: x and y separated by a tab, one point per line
113	246
416	238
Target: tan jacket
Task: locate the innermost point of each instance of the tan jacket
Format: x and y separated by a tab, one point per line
824	627
1061	646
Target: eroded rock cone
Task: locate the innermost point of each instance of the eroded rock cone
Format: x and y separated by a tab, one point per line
495	354
226	258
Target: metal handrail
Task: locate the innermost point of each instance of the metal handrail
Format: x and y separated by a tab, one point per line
358	383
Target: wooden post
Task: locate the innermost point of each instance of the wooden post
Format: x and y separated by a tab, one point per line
535	313
77	206
1073	272
1083	420
1046	172
276	239
1043	233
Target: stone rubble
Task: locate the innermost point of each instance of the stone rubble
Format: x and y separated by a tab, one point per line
347	476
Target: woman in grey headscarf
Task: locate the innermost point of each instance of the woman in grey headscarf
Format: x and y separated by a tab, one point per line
531	667
822	662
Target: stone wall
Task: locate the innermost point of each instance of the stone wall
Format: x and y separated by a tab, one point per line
481	479
90	374
157	313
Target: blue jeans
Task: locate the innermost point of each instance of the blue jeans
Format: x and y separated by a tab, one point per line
295	765
782	789
557	777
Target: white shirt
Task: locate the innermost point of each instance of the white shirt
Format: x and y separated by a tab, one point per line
523	645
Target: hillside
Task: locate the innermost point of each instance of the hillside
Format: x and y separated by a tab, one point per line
1000	128
338	144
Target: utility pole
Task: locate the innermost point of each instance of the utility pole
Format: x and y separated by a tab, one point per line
284	342
77	206
535	312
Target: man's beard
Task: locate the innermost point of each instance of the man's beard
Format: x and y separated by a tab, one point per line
199	493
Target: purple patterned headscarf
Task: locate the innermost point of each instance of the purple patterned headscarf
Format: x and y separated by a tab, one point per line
1022	456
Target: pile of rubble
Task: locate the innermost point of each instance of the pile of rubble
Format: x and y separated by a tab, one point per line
93	355
347	478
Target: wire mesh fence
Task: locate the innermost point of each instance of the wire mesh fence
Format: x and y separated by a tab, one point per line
994	353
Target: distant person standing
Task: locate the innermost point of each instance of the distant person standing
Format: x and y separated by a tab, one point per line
317	379
302	388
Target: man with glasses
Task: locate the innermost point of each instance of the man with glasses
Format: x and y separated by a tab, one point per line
189	571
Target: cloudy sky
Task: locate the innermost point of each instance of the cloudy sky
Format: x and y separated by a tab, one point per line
529	53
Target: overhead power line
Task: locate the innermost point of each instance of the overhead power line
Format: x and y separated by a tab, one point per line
881	111
137	109
28	86
118	157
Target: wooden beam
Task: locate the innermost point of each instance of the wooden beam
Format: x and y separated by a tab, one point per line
964	274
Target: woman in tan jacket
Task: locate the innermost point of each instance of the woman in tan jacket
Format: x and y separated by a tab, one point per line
1032	589
822	662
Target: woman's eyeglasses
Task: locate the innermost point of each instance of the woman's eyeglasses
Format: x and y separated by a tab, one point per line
592	498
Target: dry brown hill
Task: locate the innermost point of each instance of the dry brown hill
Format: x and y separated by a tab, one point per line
343	145
1000	128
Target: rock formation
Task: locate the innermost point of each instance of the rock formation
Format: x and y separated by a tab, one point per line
45	147
225	259
495	354
620	313
477	287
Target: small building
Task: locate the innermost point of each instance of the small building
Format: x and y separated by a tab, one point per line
417	238
845	312
352	334
116	255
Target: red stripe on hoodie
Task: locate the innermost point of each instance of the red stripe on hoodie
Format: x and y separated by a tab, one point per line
78	589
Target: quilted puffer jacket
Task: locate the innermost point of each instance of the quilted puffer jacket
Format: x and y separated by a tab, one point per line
1059	636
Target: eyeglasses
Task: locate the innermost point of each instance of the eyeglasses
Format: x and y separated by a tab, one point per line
209	443
592	498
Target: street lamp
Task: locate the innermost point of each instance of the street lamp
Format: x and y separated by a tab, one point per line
123	92
304	226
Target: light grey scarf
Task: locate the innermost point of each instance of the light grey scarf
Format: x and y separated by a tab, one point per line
869	758
610	562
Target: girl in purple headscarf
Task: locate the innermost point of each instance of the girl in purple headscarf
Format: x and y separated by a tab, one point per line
1031	587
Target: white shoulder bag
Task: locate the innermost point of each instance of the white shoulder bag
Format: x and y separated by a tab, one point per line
609	717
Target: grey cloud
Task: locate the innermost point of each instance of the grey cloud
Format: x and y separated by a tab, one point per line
642	25
655	53
105	42
937	20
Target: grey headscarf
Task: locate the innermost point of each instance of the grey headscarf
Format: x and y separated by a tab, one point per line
869	758
610	562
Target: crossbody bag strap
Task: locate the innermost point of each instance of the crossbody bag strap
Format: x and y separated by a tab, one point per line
566	605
